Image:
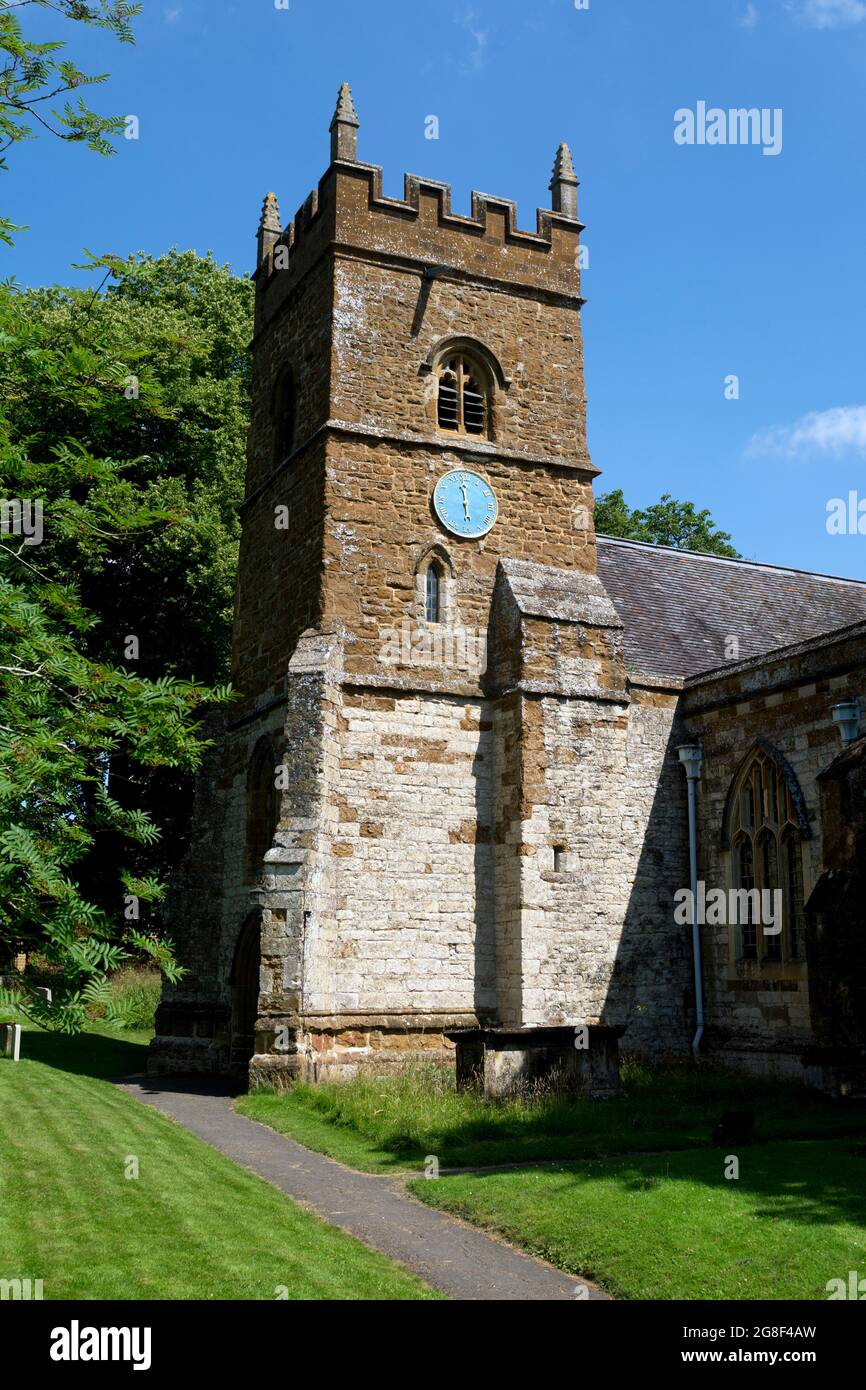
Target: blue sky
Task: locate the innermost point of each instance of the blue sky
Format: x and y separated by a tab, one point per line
706	261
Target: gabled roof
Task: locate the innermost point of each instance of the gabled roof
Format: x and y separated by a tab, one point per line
679	607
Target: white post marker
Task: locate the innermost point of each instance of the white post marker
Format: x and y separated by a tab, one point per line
10	1040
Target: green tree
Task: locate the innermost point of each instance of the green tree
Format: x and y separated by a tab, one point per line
174	329
65	714
33	74
153	371
666	522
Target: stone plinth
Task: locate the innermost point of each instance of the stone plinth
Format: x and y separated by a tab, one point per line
503	1062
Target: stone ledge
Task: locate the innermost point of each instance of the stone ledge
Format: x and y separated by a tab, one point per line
405	1019
566	692
465	448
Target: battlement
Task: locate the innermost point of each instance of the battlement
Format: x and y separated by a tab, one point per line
415	188
349	208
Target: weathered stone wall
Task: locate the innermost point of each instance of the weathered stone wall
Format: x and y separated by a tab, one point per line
402	914
758	1010
208	901
409	840
380	529
389	322
590	827
277	594
599	943
297	340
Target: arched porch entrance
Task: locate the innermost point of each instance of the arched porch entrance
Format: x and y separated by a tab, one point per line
245	994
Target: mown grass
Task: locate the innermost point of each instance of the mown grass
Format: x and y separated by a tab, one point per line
644	1208
673	1226
384	1124
191	1225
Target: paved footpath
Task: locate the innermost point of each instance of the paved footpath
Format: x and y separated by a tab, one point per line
462	1261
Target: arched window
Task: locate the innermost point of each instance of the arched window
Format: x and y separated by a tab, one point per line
283	416
462	400
765	830
434	587
432	592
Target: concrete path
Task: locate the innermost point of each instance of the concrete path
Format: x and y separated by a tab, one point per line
457	1258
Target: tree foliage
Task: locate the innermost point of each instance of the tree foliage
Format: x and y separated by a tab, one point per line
71	708
33	74
666	522
155	370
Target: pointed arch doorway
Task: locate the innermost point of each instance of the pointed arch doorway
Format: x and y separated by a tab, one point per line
245	994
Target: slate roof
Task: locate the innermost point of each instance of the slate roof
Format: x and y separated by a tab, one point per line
678	606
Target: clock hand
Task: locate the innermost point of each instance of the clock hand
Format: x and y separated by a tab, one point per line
465	501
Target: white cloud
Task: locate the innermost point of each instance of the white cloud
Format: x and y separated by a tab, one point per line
837	431
829	14
475	57
172	16
749	19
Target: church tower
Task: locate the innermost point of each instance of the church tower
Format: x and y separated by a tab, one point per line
391	827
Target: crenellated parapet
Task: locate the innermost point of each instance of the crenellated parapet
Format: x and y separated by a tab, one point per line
350	209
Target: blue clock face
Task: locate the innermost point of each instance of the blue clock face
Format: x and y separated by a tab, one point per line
465	504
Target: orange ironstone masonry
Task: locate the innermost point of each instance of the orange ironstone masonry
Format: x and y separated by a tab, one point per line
404	878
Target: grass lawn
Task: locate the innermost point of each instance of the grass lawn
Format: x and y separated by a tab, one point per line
391	1124
193	1225
668	1226
646	1209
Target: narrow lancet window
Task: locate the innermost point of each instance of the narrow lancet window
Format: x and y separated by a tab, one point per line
432	593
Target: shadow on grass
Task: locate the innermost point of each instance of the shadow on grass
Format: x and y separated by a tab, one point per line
112	1056
811	1182
102	1055
397	1124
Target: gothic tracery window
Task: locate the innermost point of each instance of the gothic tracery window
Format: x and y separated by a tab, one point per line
765	841
462	400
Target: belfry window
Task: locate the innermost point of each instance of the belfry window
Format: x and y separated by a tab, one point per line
765	840
462	404
432	593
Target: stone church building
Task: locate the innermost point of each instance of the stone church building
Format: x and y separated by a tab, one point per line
453	794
